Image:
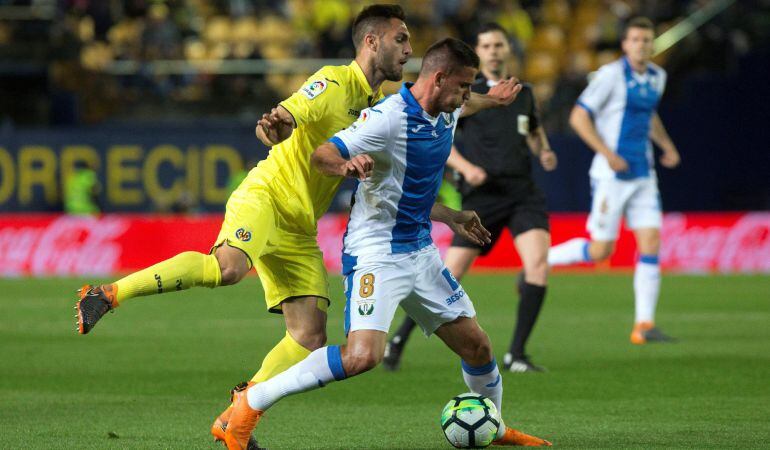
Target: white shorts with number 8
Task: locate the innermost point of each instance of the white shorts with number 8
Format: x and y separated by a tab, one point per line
417	281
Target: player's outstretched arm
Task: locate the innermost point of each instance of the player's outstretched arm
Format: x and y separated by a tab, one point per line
660	137
275	127
581	122
327	160
502	94
538	143
465	223
473	174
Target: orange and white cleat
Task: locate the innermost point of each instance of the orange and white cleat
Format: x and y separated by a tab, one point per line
93	304
515	437
645	332
219	426
241	422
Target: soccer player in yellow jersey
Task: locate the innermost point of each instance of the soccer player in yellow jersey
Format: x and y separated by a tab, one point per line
270	219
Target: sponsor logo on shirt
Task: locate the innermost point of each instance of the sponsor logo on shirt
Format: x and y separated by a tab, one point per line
314	89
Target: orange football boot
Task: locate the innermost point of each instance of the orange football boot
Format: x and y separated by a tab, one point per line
243	419
637	334
220	424
93	304
515	437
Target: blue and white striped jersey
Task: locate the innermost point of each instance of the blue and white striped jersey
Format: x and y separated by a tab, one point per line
622	102
391	209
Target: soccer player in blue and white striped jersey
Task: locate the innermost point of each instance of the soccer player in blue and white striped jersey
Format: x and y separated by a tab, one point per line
616	117
398	149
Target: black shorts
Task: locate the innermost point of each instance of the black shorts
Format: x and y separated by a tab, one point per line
519	206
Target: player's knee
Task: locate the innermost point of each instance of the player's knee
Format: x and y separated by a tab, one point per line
650	244
358	361
231	275
601	250
478	351
310	339
233	264
536	272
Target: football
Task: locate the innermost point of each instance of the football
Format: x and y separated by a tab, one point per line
470	421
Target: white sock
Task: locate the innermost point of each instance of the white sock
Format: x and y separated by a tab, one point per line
487	381
646	287
570	252
317	370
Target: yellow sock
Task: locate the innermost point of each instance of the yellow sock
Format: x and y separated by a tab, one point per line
284	355
183	271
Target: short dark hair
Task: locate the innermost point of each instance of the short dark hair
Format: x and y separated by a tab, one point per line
371	17
638	22
491	26
448	55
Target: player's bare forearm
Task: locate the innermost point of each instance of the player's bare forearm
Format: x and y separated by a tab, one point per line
659	135
327	160
502	94
275	127
538	141
541	148
456	160
442	213
464	223
581	122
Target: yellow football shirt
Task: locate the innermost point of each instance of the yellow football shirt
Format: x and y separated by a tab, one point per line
329	101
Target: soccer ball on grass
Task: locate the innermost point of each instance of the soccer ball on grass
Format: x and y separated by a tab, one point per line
470	421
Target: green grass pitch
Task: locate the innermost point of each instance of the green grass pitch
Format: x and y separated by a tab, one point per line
156	373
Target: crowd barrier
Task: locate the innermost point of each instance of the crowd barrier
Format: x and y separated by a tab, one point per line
44	245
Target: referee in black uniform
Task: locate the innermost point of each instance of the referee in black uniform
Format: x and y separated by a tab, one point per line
497	184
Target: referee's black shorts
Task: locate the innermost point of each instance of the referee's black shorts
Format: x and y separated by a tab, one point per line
520	206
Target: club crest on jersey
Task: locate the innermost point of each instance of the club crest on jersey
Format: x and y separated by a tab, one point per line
365	307
314	89
242	235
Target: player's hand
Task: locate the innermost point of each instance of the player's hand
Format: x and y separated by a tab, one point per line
548	160
359	166
506	91
670	159
617	163
468	225
474	175
275	128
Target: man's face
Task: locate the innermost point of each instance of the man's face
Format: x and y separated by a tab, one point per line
638	45
493	51
455	88
393	50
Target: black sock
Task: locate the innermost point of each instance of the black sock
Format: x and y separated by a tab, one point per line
531	301
403	332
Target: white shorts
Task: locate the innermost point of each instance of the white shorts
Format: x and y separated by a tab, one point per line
418	281
637	200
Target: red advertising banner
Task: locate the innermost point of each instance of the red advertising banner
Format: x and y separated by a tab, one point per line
56	245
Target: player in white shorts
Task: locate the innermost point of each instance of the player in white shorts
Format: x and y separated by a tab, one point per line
616	117
398	149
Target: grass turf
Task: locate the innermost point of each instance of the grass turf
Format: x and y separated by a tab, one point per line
156	373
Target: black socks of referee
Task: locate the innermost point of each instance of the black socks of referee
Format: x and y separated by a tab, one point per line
403	332
530	302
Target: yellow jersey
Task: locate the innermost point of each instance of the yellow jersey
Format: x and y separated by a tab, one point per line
329	101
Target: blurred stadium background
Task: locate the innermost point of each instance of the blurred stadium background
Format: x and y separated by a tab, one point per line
160	98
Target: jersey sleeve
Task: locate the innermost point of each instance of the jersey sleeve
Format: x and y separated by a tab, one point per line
598	91
371	133
312	101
